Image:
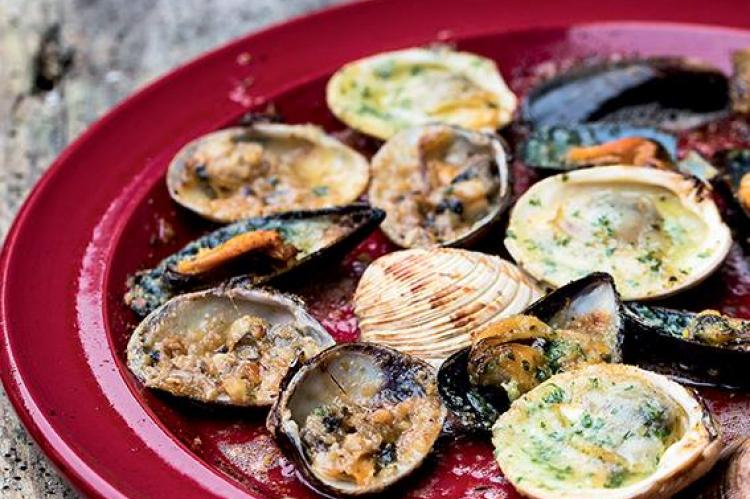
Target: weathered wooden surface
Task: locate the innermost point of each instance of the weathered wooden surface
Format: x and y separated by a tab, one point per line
63	63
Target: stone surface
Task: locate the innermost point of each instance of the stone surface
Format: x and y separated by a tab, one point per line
63	63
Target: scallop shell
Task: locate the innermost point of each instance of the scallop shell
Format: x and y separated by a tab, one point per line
427	302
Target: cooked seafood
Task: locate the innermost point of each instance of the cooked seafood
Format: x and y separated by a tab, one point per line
605	431
387	92
575	325
668	93
708	346
740	81
227	345
265	168
357	418
258	249
656	232
427	302
736	164
559	147
439	185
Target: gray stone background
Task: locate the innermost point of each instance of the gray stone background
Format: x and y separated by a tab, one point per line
64	63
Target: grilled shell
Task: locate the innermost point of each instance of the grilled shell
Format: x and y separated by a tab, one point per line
427	302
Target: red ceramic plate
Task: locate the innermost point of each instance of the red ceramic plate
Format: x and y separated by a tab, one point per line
93	217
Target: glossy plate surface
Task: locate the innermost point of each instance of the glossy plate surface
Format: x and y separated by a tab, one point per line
92	220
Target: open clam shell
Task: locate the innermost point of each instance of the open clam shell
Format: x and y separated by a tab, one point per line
387	92
440	185
265	168
606	431
656	232
427	302
357	418
590	308
227	345
668	93
303	237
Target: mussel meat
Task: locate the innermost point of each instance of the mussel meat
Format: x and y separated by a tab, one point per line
668	93
257	249
227	345
440	185
357	418
736	163
560	147
575	325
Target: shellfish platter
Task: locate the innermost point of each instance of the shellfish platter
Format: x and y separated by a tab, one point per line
509	265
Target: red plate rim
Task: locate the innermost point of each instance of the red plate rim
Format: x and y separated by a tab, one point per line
171	463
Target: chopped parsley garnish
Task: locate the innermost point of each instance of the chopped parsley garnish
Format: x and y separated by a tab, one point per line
556	395
652	259
320	190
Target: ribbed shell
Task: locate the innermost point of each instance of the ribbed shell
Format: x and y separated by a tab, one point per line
427	302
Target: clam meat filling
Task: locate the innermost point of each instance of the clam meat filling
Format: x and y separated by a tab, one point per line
240	362
351	443
268	168
652	239
435	184
591	432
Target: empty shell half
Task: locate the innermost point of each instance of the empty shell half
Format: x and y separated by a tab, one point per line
427	302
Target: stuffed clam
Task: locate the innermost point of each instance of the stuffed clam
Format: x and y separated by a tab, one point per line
656	232
440	185
575	325
606	431
427	302
256	249
229	345
265	168
387	92
357	418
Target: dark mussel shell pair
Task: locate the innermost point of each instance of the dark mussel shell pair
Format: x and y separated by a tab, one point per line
305	230
477	407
